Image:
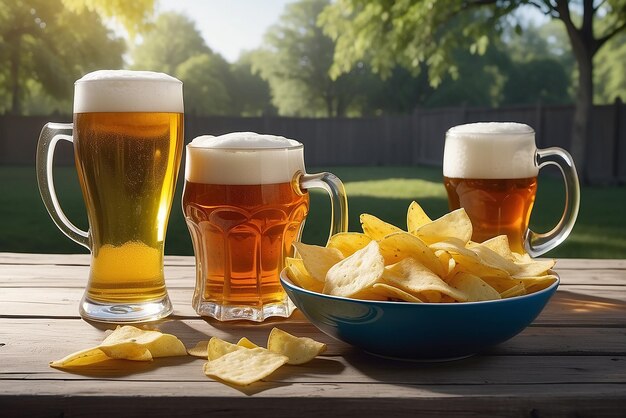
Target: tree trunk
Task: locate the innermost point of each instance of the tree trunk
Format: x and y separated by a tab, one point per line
581	132
16	104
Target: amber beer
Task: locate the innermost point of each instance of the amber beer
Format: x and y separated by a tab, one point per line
128	138
244	209
490	170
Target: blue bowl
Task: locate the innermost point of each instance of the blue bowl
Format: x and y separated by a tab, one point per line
419	331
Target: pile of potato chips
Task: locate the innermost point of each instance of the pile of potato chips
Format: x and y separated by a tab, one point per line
245	362
240	364
432	261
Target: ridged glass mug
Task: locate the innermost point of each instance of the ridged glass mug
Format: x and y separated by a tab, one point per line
245	203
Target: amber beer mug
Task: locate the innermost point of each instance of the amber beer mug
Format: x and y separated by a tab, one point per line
490	169
128	139
245	202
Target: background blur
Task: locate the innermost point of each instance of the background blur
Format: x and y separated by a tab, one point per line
369	87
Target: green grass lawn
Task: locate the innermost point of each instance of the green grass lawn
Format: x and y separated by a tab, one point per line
382	191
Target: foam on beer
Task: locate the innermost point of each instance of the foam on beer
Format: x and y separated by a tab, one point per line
128	91
490	150
241	158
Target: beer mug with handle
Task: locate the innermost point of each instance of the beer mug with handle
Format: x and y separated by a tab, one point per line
128	138
490	169
245	202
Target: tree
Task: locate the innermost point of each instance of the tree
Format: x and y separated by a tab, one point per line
250	93
205	94
295	60
409	32
206	75
40	48
171	40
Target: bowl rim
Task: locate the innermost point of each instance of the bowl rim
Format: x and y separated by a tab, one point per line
286	281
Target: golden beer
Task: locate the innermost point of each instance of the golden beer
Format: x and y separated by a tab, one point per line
245	203
127	164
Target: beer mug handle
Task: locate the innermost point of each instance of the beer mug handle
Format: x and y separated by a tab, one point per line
538	244
336	192
50	135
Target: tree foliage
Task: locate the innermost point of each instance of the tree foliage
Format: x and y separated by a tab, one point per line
386	33
47	47
295	60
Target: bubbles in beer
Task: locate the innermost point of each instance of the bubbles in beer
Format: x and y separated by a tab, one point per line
243	158
128	91
490	150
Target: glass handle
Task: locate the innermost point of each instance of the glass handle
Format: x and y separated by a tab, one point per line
336	192
50	135
539	244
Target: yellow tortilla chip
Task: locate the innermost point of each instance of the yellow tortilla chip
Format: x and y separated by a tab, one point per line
348	242
376	228
299	350
318	260
416	217
354	275
244	366
455	224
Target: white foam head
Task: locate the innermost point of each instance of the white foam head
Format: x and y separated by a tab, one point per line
128	91
490	150
242	158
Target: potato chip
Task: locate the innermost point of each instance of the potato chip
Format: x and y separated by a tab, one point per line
467	260
535	284
298	274
376	228
455	224
81	358
416	217
473	287
201	349
354	276
534	268
392	292
318	260
244	366
399	245
127	339
299	350
348	242
218	348
499	245
244	342
517	290
413	277
126	343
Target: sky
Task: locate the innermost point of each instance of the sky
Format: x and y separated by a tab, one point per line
229	27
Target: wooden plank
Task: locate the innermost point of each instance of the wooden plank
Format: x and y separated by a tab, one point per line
314	400
358	367
571	306
29	344
181	276
175	260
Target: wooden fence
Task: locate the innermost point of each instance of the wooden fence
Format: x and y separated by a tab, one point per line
415	139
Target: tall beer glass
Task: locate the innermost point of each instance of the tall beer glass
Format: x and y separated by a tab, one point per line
245	202
128	139
490	169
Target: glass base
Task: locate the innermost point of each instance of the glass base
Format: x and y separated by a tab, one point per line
245	312
125	313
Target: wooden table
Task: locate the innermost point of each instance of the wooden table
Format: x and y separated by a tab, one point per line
570	362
